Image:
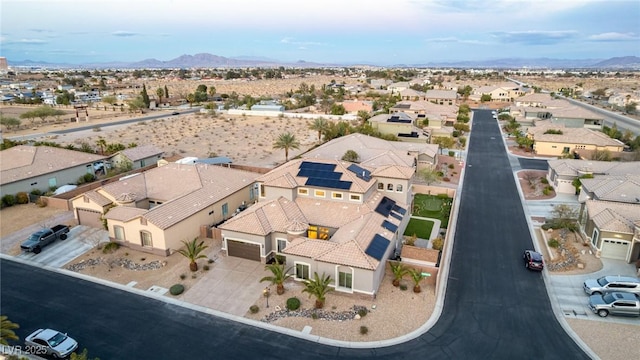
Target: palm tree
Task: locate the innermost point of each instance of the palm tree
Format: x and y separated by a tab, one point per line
399	271
102	143
286	141
416	276
318	287
280	275
193	252
320	125
6	330
160	93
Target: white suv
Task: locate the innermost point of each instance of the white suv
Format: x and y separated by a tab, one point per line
612	283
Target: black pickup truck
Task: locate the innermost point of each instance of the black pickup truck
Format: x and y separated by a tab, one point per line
44	237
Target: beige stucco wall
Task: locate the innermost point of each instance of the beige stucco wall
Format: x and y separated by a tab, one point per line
393	128
272	192
81	204
556	148
403	197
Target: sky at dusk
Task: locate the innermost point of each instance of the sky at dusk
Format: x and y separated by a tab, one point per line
329	31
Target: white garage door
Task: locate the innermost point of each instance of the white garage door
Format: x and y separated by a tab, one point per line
615	249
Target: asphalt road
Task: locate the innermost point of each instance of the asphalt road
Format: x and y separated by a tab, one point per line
494	308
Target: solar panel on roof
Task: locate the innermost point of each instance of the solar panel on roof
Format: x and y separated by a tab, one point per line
307	172
329	183
398	209
361	173
385	206
317	166
396	215
389	226
377	247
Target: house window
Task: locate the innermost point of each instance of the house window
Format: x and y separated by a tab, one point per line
53	182
319	193
302	271
389	187
282	244
345	278
251	194
119	232
141	163
336	195
355	197
594	237
380	186
263	191
302	191
399	188
143	221
225	210
145	239
565	150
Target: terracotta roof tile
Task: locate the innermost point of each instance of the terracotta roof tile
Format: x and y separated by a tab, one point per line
141	152
615	217
124	213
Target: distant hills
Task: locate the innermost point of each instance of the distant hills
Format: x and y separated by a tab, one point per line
205	60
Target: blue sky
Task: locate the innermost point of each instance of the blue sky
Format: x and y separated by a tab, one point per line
330	31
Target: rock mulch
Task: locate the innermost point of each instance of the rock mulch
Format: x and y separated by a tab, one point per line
352	314
119	262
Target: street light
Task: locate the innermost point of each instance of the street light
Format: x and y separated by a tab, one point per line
266	292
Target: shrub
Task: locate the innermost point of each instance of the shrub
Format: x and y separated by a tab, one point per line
314	316
8	200
451	166
553	242
210	261
452	153
205	267
183	276
176	289
254	309
41	202
544	180
293	303
36	192
364	330
110	247
22	198
363	312
440	173
546	191
403	287
437	243
446	179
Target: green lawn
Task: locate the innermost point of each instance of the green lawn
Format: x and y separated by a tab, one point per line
431	206
422	228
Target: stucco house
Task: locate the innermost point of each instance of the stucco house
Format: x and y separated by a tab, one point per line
25	168
155	210
441	97
326	216
374	152
438	115
562	172
612	229
400	124
138	157
558	140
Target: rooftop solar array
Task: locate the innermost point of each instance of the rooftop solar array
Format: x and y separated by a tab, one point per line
397	119
385	206
377	247
322	175
361	173
396	215
399	210
389	226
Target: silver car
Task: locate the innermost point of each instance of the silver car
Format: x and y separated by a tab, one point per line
615	303
51	342
612	283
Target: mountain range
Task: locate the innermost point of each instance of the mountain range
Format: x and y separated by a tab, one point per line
205	60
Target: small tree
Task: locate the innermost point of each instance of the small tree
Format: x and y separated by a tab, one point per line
6	330
351	156
280	275
399	271
429	175
416	276
160	94
318	287
565	217
193	252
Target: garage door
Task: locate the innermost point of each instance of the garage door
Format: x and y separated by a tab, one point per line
89	218
615	249
243	250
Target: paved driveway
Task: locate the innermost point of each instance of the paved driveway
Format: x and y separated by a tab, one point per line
231	286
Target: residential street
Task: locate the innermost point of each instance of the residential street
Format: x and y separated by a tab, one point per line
494	308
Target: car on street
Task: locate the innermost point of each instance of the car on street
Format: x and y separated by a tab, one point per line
533	260
612	283
175	113
615	303
51	342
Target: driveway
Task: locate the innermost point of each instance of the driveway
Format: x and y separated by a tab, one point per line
80	240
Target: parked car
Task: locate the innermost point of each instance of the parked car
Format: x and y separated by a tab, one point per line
44	237
533	260
51	342
175	113
615	303
612	283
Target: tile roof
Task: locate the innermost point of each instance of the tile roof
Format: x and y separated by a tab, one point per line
141	152
575	167
570	135
614	188
266	217
612	216
24	162
97	198
394	172
124	213
442	94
